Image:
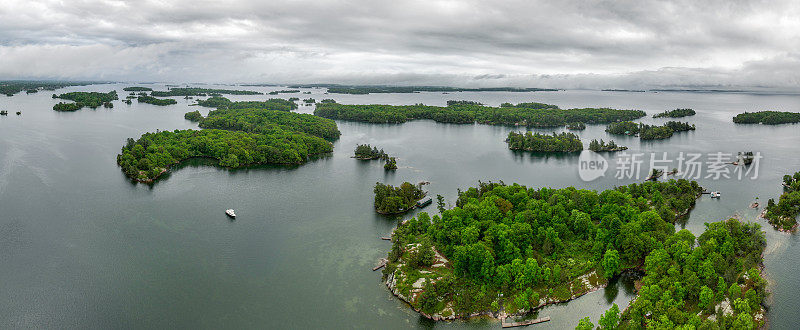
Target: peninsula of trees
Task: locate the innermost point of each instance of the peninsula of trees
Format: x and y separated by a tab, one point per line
245	137
396	200
193	116
272	104
529	141
84	99
677	113
514	249
767	118
468	114
155	100
783	215
190	91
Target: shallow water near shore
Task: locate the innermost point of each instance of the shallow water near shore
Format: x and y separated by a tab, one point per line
81	246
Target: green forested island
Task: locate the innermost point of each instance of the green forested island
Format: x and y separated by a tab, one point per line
468	114
190	91
601	146
265	120
155	100
193	116
284	91
767	118
648	132
9	88
137	89
345	89
368	152
309	101
505	250
235	137
396	200
783	215
677	113
84	99
529	141
152	154
272	104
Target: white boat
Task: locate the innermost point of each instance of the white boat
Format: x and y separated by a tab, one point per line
716	194
230	213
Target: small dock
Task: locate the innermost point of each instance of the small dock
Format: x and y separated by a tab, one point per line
525	323
381	264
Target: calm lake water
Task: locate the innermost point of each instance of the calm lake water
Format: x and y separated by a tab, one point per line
83	247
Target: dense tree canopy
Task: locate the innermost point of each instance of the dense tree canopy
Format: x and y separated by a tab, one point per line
193	116
395	200
533	244
467	114
578	126
767	118
677	113
85	99
191	91
271	104
529	141
155	100
260	120
649	132
148	157
137	89
12	87
600	146
687	280
368	152
783	215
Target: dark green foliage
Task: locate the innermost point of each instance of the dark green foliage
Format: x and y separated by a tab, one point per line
271	104
395	200
262	120
61	106
530	105
524	242
452	102
564	142
648	132
10	88
193	116
683	280
329	101
309	101
391	164
155	101
767	118
367	152
600	146
149	156
677	113
578	126
284	91
467	114
783	215
88	99
200	92
137	89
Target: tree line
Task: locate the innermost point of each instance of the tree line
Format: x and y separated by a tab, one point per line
271	104
137	89
155	101
84	99
677	113
767	118
263	120
601	146
192	91
649	132
468	114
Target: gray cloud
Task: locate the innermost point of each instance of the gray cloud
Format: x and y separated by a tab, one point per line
566	44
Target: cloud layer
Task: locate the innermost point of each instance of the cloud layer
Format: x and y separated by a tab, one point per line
565	44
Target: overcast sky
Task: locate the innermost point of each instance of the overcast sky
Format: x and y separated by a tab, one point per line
564	44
